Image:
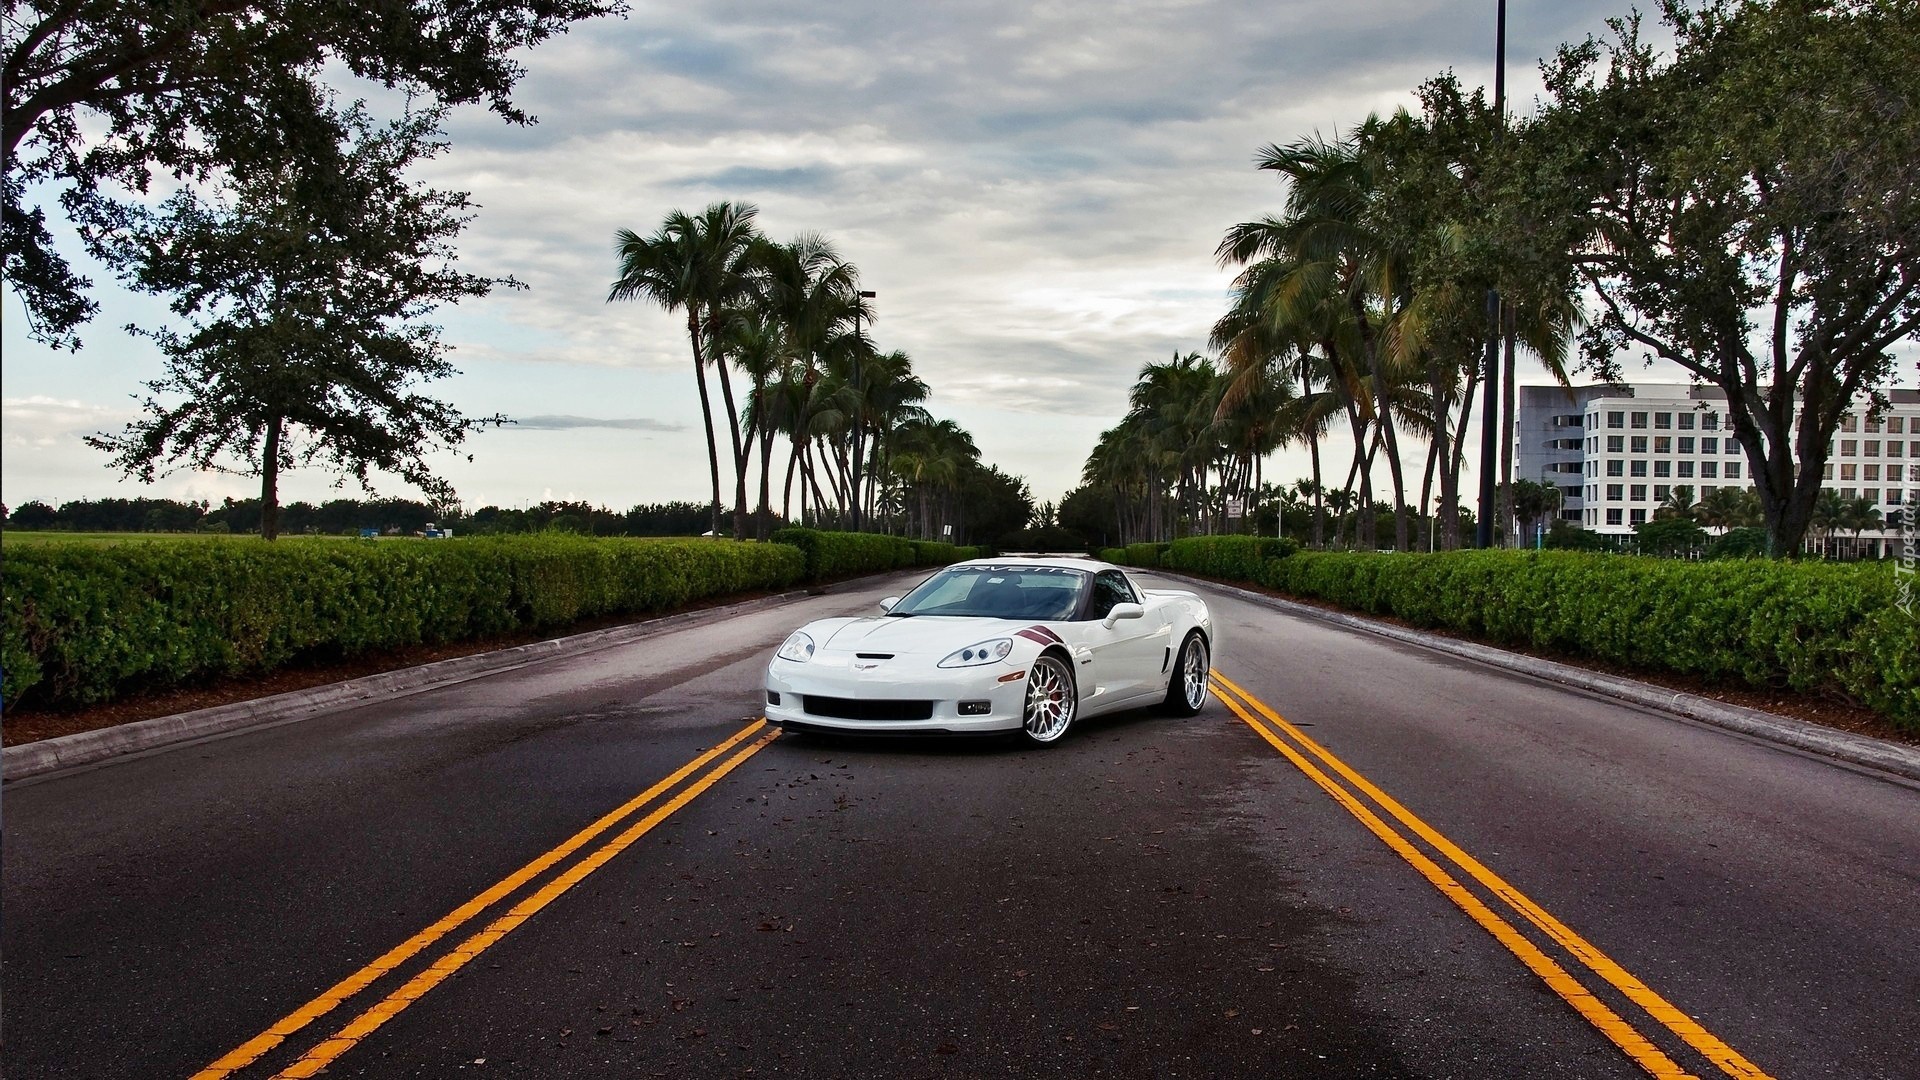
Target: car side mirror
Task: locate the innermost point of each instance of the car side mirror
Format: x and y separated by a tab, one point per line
887	604
1124	611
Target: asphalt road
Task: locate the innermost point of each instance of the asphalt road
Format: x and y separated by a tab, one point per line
1147	898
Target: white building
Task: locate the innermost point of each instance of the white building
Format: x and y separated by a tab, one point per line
1617	452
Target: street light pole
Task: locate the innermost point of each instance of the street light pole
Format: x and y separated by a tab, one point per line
1490	419
860	405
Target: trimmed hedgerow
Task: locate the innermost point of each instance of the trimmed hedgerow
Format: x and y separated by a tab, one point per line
1809	626
844	554
1239	557
83	624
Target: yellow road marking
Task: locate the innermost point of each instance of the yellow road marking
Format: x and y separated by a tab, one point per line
1723	1056
1622	1034
367	1022
250	1051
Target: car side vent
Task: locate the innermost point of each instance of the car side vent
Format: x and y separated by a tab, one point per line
874	655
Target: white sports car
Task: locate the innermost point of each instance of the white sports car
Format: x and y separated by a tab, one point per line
997	645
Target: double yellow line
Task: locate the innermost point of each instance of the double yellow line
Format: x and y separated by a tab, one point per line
344	1039
1296	747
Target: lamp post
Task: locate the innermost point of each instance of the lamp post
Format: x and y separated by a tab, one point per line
1490	419
860	406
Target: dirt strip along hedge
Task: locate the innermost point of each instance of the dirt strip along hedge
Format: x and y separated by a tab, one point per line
1813	627
84	623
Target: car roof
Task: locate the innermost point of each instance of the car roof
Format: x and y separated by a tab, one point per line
1091	566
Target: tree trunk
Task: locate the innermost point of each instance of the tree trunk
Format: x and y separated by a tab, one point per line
741	455
706	412
1507	396
270	481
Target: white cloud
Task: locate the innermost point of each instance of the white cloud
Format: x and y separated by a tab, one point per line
1034	189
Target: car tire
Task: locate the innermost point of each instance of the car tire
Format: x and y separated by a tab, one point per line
1187	684
1052	700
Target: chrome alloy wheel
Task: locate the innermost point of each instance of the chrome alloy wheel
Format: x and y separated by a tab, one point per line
1193	672
1051	700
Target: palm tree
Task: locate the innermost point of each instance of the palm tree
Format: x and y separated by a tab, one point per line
1678	504
699	265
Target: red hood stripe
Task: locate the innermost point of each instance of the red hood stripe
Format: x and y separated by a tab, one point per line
1041	634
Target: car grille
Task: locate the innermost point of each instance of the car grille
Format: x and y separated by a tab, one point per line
853	709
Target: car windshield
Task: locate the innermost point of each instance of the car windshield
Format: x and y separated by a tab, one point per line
997	592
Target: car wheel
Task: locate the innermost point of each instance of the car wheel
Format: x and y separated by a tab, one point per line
1187	687
1051	702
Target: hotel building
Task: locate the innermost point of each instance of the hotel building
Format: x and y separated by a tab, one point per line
1616	452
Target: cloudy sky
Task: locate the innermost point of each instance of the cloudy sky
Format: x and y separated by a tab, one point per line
1034	189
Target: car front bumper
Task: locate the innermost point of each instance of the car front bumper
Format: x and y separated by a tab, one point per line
939	691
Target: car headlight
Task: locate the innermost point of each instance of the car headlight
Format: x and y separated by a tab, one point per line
799	649
987	652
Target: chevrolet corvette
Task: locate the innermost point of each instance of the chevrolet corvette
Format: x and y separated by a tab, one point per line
1024	645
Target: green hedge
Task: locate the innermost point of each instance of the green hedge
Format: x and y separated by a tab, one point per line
1145	556
833	555
1812	627
84	623
1242	558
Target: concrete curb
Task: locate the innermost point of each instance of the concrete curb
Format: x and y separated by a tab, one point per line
1844	746
164	732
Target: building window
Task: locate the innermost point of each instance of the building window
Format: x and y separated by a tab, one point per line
1873	473
1847	493
1639	444
1663	421
1896	425
1686	470
1894	495
1849	447
1826	473
1638	517
1638	420
1733	470
1913	473
1663	444
1616	444
1709	470
1849	422
1616	467
1686	421
1613	516
1663	468
1873	425
1686	444
1638	468
1873	448
1709	446
1615	419
1637	493
1893	447
1614	492
1849	472
1710	421
1660	492
1913	448
1872	495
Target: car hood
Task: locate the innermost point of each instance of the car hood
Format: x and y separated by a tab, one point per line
919	634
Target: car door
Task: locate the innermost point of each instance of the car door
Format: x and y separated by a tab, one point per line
1124	660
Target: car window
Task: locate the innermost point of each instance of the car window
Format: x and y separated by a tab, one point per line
1109	588
997	592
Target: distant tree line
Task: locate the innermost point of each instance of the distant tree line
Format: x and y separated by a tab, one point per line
350	516
991	508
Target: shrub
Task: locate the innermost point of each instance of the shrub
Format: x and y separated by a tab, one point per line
1808	626
1745	542
1238	557
831	555
83	623
1145	555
